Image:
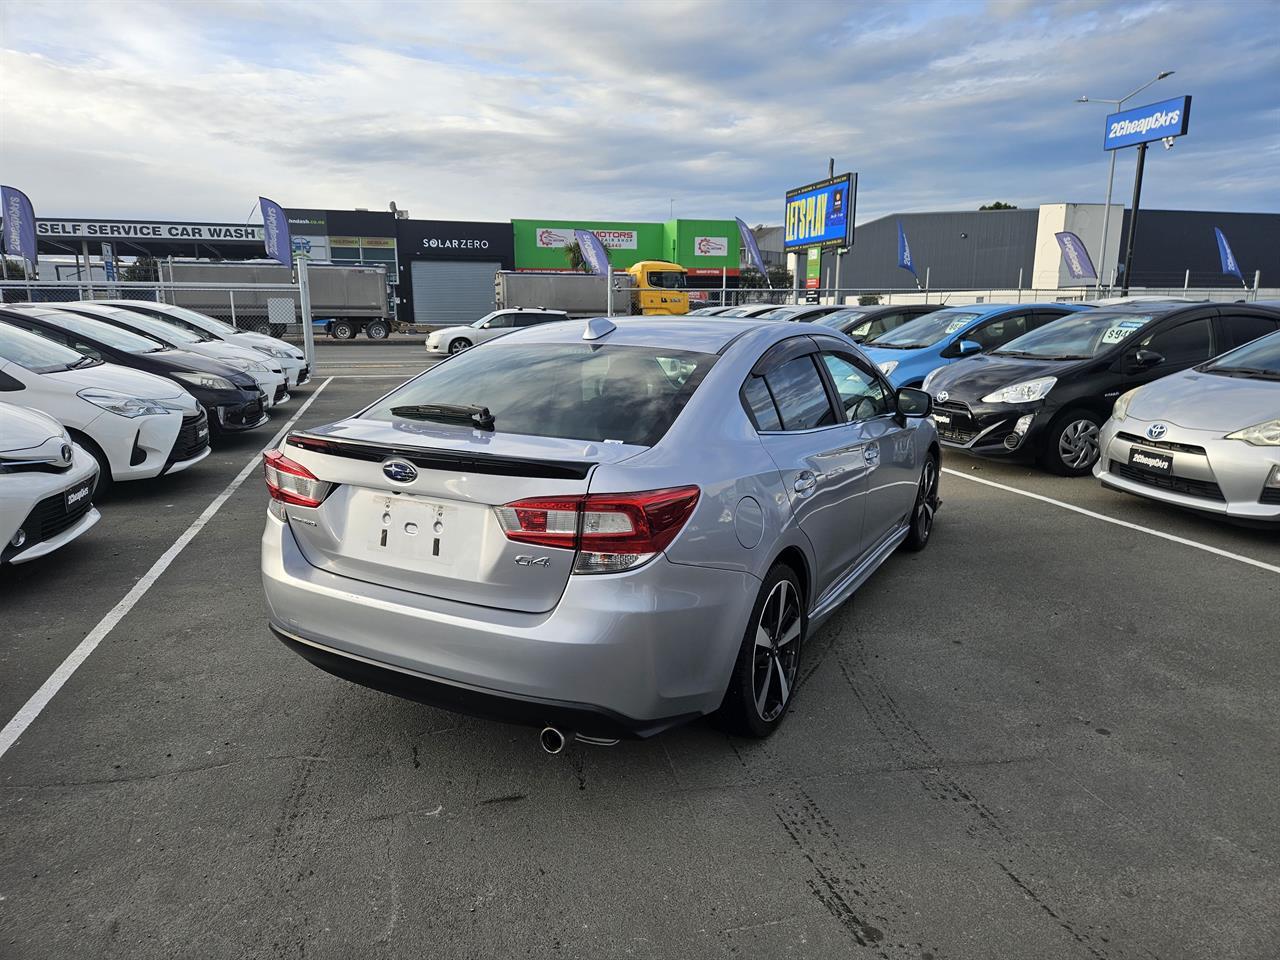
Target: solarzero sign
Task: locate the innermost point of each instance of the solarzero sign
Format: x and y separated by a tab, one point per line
128	230
1155	121
821	214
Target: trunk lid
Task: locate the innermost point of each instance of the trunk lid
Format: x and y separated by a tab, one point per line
435	532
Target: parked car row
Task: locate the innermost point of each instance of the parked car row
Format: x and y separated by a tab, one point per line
92	394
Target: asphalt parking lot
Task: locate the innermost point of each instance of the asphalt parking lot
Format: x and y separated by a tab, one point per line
1048	735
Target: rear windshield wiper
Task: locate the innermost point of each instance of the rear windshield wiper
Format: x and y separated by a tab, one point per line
471	414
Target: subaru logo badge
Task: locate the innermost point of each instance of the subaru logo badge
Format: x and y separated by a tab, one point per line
1156	431
401	471
942	396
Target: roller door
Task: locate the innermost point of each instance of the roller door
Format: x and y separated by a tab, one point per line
452	291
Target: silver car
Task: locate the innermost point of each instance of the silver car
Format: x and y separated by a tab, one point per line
1207	438
602	528
492	325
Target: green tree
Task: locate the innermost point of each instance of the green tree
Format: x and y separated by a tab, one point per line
779	278
998	205
142	269
577	262
15	269
869	300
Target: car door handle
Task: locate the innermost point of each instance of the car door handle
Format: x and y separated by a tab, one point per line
805	482
871	453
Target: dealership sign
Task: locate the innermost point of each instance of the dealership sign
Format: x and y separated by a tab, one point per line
144	230
551	237
1155	121
821	214
710	246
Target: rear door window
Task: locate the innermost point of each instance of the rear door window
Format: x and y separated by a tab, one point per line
999	332
1241	329
800	395
578	391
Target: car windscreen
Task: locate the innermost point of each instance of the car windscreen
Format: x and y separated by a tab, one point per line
196	320
1257	360
574	391
841	318
924	331
34	352
1077	336
782	313
115	337
164	332
667	279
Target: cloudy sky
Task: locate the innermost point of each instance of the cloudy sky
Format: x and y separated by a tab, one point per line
490	110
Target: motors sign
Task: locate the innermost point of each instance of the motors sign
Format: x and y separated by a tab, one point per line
146	230
1155	121
710	246
549	237
821	214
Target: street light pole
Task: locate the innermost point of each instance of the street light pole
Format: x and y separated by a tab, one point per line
1111	173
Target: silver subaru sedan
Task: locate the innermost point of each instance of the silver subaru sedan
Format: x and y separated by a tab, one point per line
1206	439
603	528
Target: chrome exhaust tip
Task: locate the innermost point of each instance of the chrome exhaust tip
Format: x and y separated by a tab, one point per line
551	739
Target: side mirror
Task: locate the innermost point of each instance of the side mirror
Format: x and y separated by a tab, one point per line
969	347
1147	358
914	403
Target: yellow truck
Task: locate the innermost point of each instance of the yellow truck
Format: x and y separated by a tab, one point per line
650	287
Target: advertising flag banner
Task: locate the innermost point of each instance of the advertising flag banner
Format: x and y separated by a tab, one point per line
593	251
753	248
1230	265
1075	256
19	238
275	231
904	252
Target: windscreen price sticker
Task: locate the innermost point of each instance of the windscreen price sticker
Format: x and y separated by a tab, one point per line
955	325
1118	331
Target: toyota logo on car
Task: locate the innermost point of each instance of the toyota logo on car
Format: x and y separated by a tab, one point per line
1156	431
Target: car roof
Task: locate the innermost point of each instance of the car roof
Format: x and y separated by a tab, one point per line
696	334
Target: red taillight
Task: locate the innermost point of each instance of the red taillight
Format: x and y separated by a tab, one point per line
611	531
291	482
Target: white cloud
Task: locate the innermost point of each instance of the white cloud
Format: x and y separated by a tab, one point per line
498	110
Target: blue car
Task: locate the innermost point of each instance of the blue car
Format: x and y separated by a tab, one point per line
909	353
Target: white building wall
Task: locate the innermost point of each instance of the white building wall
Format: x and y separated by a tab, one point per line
1085	221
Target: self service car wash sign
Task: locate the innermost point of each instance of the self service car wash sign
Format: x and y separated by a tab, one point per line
1155	121
821	214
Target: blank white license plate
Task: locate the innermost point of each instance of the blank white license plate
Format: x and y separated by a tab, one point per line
410	527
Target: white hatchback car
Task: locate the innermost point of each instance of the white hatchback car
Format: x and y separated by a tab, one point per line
453	339
46	485
291	359
134	424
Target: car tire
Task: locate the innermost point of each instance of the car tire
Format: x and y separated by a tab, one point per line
377	330
105	480
925	507
458	345
1070	446
768	664
342	330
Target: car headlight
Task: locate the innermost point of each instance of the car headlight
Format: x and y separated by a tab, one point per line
278	352
933	375
1121	409
242	363
126	406
1027	391
888	367
1265	434
206	380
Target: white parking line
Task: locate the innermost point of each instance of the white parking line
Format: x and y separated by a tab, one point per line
1120	523
40	699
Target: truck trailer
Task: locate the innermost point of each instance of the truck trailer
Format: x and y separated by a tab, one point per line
650	287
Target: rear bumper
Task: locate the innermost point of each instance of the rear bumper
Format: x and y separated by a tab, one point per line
619	655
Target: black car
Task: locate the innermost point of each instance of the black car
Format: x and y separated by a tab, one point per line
1045	395
866	323
230	397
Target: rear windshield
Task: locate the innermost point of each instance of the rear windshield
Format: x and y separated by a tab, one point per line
1077	336
575	391
842	317
925	331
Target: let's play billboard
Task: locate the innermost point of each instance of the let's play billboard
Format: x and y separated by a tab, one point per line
1155	121
821	214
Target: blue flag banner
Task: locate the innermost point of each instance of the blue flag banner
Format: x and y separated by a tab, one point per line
593	252
904	252
749	244
275	231
1229	263
19	237
1076	257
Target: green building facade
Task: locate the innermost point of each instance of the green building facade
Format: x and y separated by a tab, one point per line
703	247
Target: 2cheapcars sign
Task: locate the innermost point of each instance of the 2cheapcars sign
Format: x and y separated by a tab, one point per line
1155	121
145	230
821	214
548	237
